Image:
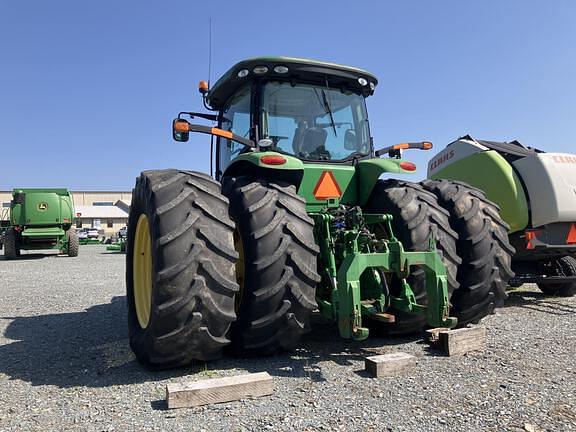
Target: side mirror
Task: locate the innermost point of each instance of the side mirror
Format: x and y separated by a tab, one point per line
180	130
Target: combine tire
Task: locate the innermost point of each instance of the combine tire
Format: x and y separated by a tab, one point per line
11	247
483	246
565	266
277	266
179	269
73	242
417	217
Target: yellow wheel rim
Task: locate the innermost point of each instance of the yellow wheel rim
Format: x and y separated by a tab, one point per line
240	269
142	271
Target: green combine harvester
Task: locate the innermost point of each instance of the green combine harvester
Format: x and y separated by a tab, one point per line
295	218
39	219
536	192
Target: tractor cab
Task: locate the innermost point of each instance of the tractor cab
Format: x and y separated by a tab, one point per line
312	110
299	120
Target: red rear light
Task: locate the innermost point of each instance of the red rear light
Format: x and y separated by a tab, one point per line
571	239
273	160
531	235
408	166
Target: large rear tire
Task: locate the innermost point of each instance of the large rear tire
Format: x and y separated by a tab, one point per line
277	265
483	246
179	269
417	217
565	266
73	243
11	246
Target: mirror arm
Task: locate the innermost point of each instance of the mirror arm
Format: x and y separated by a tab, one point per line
221	133
395	150
211	117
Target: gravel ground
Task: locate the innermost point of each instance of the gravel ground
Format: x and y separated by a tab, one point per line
65	364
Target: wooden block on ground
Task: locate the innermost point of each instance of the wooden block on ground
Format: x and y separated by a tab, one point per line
432	334
389	365
461	341
217	390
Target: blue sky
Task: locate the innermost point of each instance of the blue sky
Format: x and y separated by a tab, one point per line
88	89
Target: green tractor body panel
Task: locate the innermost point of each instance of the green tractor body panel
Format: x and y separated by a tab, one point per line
292	163
370	170
42	217
344	176
354	181
490	172
42	207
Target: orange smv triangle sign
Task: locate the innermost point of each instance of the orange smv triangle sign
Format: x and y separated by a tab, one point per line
572	235
327	187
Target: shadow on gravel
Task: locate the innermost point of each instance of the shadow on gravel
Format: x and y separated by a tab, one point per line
322	344
538	301
90	349
87	348
28	257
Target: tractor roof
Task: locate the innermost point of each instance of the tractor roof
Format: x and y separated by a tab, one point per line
299	70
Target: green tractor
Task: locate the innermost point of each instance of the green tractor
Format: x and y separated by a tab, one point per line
536	192
40	219
295	218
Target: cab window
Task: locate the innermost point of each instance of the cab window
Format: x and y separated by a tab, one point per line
235	118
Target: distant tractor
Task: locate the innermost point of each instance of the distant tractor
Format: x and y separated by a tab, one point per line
40	219
536	193
294	219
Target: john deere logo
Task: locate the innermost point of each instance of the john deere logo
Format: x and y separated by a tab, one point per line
43	206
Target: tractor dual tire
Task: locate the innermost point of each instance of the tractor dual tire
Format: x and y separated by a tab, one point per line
417	217
277	267
180	262
483	246
11	246
73	243
565	266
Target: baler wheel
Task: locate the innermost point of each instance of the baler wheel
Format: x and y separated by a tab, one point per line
11	247
565	266
279	276
483	246
73	242
180	276
417	217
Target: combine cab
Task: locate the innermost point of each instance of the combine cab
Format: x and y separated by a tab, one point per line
536	192
295	218
40	219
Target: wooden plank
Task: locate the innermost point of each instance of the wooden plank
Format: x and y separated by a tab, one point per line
432	334
389	365
461	341
218	390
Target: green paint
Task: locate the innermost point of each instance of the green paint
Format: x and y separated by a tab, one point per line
255	158
354	263
352	289
370	170
42	217
345	176
491	173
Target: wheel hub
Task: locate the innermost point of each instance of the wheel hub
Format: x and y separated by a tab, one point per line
142	271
